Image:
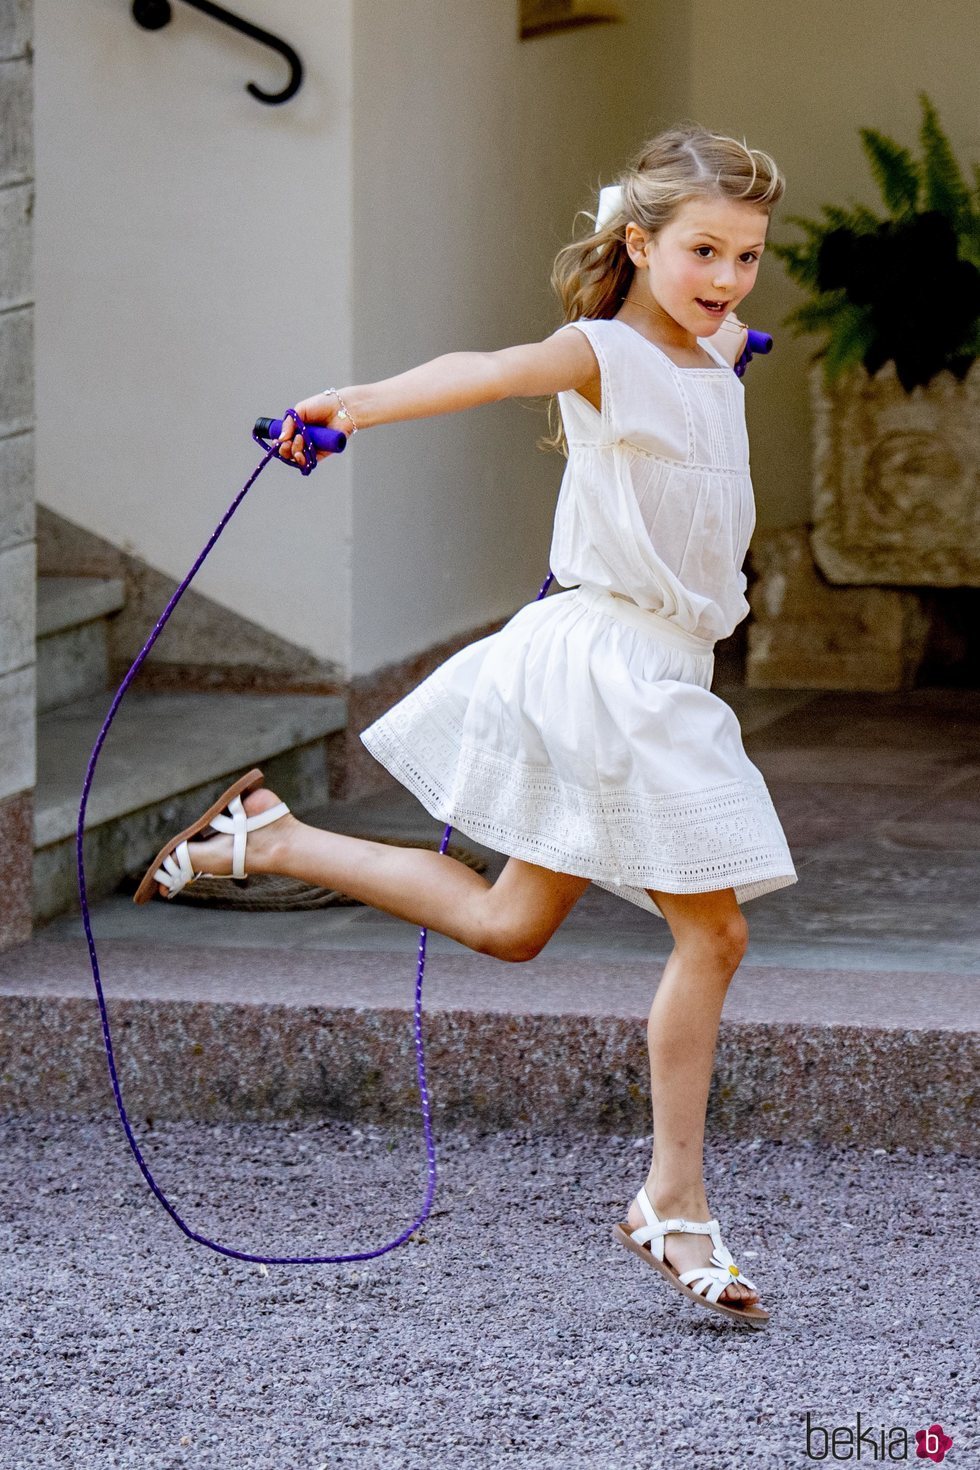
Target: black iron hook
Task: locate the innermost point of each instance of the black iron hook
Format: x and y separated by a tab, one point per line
152	15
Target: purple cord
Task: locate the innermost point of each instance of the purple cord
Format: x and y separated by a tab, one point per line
311	461
756	342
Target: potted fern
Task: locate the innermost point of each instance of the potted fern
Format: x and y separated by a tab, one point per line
895	388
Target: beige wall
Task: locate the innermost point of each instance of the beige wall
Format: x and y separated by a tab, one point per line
472	153
447	531
799	80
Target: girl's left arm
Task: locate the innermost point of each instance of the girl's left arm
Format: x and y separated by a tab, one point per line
730	338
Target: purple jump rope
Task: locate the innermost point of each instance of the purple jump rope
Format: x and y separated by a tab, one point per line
314	438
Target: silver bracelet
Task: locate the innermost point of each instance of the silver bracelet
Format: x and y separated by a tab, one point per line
344	412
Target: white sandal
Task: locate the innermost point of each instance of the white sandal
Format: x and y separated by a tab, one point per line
703	1284
172	864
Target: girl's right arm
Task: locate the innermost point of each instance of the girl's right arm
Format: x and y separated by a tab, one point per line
456	381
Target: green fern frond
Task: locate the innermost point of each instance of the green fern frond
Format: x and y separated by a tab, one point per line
866	221
813	229
815	316
800	259
895	170
945	188
800	262
853	334
858	218
971	346
970	239
849	341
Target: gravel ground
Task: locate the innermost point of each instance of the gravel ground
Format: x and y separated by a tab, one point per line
513	1333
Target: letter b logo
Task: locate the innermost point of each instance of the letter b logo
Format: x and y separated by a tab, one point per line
817	1442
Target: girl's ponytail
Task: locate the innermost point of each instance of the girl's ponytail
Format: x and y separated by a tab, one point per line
591	276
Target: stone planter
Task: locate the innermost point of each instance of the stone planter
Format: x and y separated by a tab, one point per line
806	633
844	603
896	479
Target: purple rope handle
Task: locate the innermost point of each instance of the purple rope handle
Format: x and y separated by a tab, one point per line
226	1250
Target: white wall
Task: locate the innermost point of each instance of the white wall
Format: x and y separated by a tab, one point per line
193	272
472	153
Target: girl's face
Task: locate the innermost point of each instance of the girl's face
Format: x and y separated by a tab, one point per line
709	253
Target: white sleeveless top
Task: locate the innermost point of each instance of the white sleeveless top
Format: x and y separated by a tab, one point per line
656	502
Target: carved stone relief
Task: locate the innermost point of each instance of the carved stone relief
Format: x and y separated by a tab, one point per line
897	479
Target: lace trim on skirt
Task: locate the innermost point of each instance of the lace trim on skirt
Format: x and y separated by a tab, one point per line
688	842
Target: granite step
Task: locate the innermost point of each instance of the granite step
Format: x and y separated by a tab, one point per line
877	1058
166	757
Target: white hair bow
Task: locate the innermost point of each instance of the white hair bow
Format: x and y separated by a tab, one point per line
610	204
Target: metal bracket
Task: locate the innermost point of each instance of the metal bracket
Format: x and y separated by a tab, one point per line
153	15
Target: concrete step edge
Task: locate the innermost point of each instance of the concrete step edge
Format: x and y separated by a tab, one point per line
68	602
159	746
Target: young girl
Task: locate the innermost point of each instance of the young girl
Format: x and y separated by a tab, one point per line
582	739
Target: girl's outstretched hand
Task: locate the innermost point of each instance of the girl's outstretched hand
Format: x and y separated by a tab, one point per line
322	409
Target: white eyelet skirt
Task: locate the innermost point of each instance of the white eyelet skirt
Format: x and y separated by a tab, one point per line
583	736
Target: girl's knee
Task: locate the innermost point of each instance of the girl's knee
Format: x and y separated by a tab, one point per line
728	938
517	948
709	923
723	937
737	934
522	910
521	950
506	942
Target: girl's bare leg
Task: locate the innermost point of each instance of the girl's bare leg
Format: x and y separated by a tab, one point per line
710	934
511	919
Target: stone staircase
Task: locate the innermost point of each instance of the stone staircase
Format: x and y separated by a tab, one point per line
165	757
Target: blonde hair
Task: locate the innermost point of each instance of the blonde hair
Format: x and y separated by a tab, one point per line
592	275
